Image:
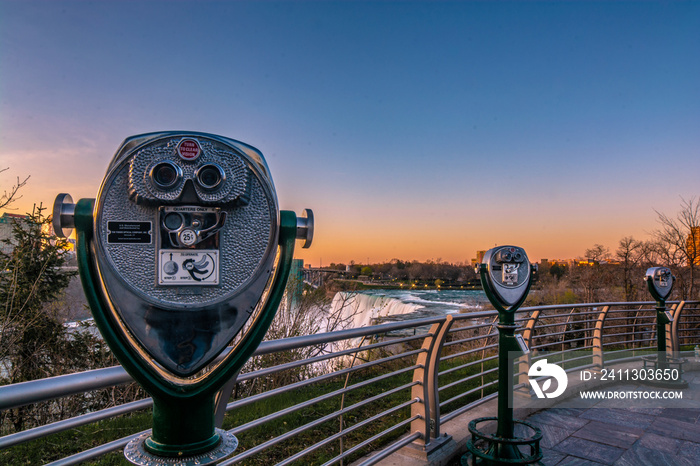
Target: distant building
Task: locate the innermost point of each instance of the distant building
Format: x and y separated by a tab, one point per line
6	222
479	258
693	245
559	262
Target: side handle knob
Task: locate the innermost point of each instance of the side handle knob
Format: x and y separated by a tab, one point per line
63	215
305	227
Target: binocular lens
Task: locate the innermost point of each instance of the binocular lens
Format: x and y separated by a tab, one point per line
165	175
210	176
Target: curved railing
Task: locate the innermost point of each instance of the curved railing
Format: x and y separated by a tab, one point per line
373	389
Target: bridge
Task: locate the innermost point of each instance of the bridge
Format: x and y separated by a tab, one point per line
315	277
403	393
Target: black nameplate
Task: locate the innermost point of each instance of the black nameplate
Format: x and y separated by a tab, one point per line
129	232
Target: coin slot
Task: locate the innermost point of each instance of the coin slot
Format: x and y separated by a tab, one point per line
173	221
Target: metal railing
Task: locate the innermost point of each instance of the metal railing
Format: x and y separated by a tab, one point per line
376	388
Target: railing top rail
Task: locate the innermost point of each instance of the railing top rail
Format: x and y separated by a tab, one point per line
580	305
523	310
34	391
273	346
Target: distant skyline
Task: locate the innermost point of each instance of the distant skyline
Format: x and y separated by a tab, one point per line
414	130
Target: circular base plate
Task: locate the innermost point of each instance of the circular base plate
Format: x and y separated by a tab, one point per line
137	454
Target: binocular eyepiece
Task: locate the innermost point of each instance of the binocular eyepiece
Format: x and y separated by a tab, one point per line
508	255
191	169
166	176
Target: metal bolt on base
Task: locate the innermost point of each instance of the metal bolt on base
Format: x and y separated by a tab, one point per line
136	452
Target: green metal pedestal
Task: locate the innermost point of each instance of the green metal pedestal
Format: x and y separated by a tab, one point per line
183	413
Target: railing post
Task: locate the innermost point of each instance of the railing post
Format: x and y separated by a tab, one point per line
525	360
427	390
672	338
433	369
221	400
597	343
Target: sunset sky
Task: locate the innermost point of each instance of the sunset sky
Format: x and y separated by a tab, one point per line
414	130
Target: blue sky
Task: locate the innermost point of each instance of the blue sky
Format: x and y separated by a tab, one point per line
415	130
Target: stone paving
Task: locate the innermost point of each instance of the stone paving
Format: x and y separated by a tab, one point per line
619	436
607	434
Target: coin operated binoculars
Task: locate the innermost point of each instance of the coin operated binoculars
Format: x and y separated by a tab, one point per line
184	257
660	282
506	277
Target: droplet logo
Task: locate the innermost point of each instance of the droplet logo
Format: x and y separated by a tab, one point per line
542	369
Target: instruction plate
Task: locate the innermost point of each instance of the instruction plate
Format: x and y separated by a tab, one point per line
188	267
126	232
510	274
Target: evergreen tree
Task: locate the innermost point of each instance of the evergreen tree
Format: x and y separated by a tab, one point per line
31	334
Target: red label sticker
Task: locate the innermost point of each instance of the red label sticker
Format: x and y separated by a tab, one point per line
188	149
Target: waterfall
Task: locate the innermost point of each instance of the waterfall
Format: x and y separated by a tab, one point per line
361	310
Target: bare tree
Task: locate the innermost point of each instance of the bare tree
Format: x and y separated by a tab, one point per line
589	275
597	253
678	241
631	254
10	196
303	311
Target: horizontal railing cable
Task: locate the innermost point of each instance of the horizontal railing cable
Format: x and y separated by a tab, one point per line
320	358
468	364
383	453
468	407
287	344
349	430
98	451
469	378
480	349
468	392
315	423
71	423
34	391
326	397
321	378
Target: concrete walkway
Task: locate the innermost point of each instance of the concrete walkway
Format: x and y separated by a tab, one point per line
605	434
